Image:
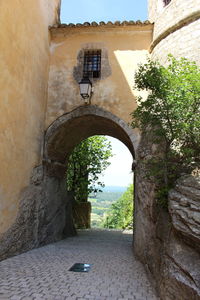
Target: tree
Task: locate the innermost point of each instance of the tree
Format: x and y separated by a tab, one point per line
86	163
172	111
121	212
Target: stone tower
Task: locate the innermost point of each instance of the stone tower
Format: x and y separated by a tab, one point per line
176	28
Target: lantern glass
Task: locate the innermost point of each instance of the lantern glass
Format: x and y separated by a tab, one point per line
85	88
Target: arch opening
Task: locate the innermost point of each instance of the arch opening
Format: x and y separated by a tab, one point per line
100	178
60	139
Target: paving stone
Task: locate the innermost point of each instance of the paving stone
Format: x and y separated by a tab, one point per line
43	273
15	298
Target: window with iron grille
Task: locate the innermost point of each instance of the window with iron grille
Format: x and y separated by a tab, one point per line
92	64
166	2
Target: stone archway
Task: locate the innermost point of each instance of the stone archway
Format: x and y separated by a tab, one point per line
71	128
60	139
44	214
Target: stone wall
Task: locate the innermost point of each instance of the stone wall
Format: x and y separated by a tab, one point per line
44	215
181	267
184	207
165	17
176	29
45	210
82	214
181	43
168	242
147	246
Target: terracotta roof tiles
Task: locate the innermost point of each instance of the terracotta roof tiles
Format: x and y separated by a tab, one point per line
107	24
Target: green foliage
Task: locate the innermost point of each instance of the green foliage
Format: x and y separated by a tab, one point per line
172	111
121	212
99	210
86	163
102	203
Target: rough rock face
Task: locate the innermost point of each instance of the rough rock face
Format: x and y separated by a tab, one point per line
181	264
147	246
184	207
180	271
43	214
168	243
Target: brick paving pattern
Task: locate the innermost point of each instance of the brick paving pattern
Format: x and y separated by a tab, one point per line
42	274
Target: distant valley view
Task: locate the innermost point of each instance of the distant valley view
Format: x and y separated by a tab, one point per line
107	204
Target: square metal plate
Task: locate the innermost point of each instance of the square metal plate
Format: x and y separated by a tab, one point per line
80	267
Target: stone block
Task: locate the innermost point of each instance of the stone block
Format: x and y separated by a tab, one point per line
184	208
181	271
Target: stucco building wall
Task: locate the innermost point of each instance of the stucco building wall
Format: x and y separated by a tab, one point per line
24	59
181	43
167	16
176	29
123	47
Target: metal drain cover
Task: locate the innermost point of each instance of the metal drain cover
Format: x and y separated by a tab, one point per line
80	267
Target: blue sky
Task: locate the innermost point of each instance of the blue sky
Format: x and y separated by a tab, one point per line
79	11
119	172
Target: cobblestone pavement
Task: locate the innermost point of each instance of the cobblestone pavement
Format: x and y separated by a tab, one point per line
42	274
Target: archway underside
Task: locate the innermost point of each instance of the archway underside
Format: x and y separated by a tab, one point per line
61	140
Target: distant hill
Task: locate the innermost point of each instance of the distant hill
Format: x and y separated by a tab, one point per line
109	194
102	201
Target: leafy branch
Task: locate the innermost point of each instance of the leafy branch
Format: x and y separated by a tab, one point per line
85	165
172	111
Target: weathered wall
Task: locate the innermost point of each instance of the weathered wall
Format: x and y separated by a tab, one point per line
172	14
123	47
181	43
176	29
24	62
44	215
82	214
45	212
181	267
168	243
147	246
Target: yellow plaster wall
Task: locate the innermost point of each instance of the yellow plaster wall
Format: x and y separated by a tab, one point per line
126	47
24	62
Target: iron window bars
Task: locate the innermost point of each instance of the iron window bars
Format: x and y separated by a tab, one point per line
92	64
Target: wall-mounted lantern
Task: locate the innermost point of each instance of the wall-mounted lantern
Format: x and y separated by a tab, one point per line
86	89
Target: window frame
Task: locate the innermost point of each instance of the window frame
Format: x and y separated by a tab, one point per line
92	63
